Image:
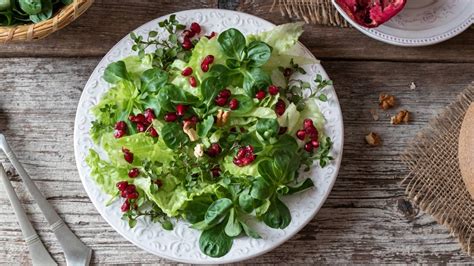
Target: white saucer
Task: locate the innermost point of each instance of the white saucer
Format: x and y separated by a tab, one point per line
422	22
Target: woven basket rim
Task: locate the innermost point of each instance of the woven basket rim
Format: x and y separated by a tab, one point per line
33	31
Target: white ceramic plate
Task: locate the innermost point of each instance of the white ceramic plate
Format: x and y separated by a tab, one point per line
181	244
422	22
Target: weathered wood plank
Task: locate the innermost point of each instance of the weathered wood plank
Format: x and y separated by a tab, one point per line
107	21
364	220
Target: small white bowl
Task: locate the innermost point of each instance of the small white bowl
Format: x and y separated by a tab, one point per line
421	22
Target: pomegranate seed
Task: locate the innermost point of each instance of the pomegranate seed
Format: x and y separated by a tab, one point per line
282	130
237	161
249	148
188	34
216	172
187	44
260	95
127	155
234	104
220	101
209	59
119	133
311	131
141	127
315	144
195	27
130	189
125	206
308	123
193	81
120	125
233	129
159	182
170	117
123	194
140	118
314	134
181	109
273	90
134	172
131	118
241	153
225	93
204	67
187	71
149	115
214	150
122	185
193	119
301	134
280	107
132	195
308	147
287	72
153	132
212	35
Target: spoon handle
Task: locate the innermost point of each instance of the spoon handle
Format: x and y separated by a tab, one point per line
39	254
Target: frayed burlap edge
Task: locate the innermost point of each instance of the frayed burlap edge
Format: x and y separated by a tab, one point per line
434	182
312	11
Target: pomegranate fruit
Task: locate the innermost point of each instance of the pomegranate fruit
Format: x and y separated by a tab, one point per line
371	13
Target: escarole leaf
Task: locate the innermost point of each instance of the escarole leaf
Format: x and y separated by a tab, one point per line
281	37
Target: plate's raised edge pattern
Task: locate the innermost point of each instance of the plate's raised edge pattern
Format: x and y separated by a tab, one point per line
423	41
181	244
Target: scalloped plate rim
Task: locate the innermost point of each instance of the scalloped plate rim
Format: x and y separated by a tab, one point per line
209	260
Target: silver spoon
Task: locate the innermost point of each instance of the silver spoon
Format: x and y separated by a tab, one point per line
75	251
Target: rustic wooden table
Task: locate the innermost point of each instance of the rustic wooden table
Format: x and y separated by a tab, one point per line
365	219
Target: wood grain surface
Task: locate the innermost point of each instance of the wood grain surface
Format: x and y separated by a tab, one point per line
366	218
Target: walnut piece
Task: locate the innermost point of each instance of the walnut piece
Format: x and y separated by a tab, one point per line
222	117
373	139
190	131
386	101
402	116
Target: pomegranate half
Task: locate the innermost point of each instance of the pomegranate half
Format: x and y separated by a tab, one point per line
371	13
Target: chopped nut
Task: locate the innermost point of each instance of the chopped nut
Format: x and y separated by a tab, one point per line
402	116
412	85
199	150
386	101
222	117
373	139
374	114
189	130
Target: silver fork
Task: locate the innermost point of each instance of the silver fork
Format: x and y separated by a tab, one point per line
75	251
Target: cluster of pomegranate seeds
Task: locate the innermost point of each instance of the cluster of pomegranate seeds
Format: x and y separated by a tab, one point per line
127	155
193	30
214	150
273	90
310	132
143	122
245	156
134	172
280	107
120	129
127	191
223	98
208	60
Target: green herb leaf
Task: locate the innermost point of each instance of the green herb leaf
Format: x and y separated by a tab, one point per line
278	215
205	126
232	42
258	53
116	72
249	231
306	184
215	242
261	189
173	135
233	227
217	211
153	79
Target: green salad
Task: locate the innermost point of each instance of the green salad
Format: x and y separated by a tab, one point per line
14	12
210	128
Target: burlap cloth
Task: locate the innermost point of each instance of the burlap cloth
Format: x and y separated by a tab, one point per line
312	11
434	182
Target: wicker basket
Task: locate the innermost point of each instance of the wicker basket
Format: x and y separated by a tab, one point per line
29	32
